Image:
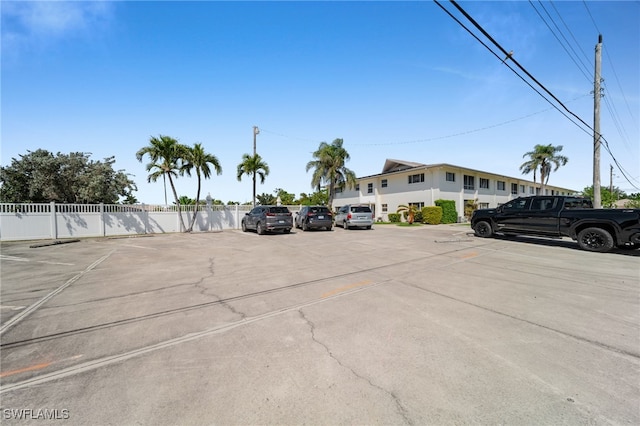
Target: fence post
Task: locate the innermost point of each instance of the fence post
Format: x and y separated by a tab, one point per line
54	226
145	217
103	231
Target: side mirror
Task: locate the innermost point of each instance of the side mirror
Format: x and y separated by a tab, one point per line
246	214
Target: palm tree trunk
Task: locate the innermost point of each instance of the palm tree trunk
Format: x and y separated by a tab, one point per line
195	211
331	194
175	194
254	189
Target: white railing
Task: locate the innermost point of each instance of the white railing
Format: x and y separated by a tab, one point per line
32	221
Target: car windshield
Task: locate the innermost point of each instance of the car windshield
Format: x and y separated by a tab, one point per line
361	209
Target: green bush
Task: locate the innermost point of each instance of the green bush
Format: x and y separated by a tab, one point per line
449	213
417	216
394	217
432	215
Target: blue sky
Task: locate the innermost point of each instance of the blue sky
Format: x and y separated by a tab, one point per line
395	80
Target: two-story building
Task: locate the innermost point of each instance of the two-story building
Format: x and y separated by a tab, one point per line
406	182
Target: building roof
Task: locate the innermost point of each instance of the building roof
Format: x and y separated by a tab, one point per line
392	165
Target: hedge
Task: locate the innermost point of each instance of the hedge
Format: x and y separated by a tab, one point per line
417	216
432	215
394	217
449	213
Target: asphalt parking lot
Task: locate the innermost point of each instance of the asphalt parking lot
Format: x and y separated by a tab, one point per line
423	325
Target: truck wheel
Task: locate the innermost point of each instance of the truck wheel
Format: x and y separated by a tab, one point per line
595	239
483	229
259	228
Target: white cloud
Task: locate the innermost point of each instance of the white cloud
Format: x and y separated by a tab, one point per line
26	22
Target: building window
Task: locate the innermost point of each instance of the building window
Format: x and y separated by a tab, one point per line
514	188
451	177
418	206
416	178
369	188
484	183
384	208
501	185
337	190
483	205
384	183
532	190
522	191
469	182
357	187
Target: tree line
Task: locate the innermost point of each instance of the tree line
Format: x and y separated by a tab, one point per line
41	176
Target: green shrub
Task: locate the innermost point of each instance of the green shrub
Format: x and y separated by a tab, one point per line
449	213
417	216
394	217
432	215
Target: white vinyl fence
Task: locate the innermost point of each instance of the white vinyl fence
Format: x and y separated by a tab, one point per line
56	221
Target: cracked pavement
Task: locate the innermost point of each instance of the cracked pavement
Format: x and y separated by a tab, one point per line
421	325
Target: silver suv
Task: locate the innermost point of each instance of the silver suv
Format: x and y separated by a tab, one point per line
268	218
354	215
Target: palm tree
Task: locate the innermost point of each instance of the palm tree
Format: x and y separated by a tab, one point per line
410	209
543	157
329	168
253	165
199	160
166	156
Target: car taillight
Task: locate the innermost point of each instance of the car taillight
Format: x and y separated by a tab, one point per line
349	216
271	214
309	214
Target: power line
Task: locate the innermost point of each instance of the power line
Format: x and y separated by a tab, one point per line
509	56
502	49
466	132
589	78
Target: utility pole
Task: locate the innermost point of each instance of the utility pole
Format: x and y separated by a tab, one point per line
611	179
256	131
597	200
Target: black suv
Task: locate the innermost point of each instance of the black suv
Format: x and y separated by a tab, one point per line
314	217
268	218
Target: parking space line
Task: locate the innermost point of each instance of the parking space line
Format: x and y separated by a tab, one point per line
16	319
37	366
346	287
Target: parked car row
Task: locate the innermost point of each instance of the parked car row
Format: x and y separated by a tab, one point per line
264	219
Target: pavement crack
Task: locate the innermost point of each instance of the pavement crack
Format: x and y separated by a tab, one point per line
205	291
401	409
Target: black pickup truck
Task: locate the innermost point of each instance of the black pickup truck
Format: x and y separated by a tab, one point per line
562	216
